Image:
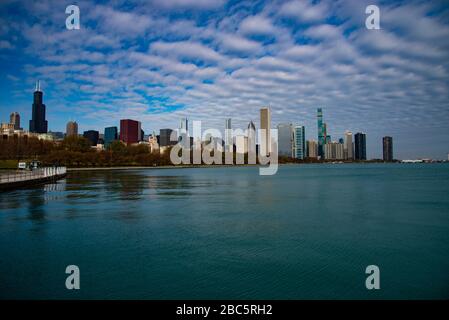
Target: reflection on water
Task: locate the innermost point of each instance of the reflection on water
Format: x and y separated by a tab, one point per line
130	185
36	204
34	198
171	186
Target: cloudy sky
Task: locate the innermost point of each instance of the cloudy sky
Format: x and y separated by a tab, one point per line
157	61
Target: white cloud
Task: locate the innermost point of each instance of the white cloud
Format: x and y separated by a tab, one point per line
120	22
257	25
304	11
238	44
324	31
189	4
185	49
301	51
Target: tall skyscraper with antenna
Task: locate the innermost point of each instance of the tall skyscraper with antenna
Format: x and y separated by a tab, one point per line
38	124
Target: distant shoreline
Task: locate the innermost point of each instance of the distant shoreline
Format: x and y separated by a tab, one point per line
4	170
224	165
161	167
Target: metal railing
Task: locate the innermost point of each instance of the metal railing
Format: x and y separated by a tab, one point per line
32	175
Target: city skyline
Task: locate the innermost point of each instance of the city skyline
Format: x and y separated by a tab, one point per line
293	56
290	138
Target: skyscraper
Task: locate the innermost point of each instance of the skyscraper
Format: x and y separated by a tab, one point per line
387	148
183	132
71	129
339	151
228	135
130	131
241	144
285	136
110	135
14	119
327	137
321	132
360	146
38	124
333	151
251	138
348	149
164	138
299	142
265	124
92	136
184	124
312	149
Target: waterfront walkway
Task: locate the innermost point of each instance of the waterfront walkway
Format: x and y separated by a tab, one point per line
25	178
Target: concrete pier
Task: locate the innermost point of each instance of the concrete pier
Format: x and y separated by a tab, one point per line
24	178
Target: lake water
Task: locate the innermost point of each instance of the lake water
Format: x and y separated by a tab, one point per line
307	232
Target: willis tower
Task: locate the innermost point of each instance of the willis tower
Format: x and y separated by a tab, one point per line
38	124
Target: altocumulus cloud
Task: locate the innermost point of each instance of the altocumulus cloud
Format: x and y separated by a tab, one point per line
158	61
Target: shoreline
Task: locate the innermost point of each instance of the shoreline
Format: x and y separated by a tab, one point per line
162	167
5	170
226	165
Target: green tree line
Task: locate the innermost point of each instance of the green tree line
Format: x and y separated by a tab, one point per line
76	152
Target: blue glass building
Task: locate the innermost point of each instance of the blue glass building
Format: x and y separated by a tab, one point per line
110	134
300	142
92	136
360	146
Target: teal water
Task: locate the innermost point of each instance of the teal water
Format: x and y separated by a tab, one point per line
307	232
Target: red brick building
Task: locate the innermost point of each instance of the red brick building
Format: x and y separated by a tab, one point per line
130	131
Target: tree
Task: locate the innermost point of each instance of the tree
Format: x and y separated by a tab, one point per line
75	143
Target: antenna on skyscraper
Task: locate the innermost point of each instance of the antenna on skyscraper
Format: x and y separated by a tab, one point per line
38	85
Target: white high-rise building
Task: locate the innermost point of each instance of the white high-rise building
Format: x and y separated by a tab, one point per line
251	139
184	124
228	136
241	144
334	151
183	132
312	148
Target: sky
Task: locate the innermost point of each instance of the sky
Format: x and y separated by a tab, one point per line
158	61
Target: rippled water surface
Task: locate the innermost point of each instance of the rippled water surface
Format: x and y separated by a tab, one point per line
307	232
